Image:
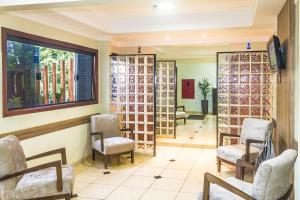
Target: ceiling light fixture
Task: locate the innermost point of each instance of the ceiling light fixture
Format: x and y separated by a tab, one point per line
168	38
163	5
203	36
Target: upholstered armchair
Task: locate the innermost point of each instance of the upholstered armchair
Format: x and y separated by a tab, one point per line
52	180
272	181
181	114
107	139
253	134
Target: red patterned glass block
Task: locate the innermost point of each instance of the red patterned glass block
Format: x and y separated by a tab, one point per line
234	121
255	111
222	110
141	118
242	120
267	111
149	88
255	68
255	79
131	88
267	100
131	69
267	89
245	68
233	89
140	88
140	108
141	69
256	57
122	89
131	117
266	68
131	98
223	89
244	89
223	68
122	107
149	79
233	110
244	79
150	108
244	110
223	120
141	79
149	137
150	98
222	99
244	100
150	60
244	57
150	118
141	60
223	57
141	136
150	69
132	79
233	79
223	79
131	60
255	89
266	57
267	79
141	127
255	100
234	131
131	108
122	98
131	126
141	98
122	79
234	58
234	69
234	100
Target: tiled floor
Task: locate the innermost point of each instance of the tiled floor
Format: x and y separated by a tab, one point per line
181	179
196	133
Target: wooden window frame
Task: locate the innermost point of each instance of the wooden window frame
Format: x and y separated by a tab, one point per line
52	44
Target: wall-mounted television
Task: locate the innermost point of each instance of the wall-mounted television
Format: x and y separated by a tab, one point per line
275	54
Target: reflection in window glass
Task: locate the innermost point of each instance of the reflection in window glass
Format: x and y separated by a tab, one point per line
39	75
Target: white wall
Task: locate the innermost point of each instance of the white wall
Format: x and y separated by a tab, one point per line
195	69
75	139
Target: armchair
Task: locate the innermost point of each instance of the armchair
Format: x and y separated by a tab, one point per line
52	180
107	139
181	114
254	133
271	182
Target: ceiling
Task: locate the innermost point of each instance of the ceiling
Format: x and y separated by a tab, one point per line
137	22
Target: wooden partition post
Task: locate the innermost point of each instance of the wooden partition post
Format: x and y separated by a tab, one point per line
71	80
63	80
45	85
53	83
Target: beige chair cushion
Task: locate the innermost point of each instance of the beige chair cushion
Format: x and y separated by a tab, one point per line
109	124
115	145
257	129
219	193
41	183
234	152
273	177
181	114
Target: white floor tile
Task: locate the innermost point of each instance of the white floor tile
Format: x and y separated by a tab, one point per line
97	191
139	181
159	195
126	193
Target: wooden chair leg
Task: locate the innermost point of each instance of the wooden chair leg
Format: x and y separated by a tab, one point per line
132	157
105	162
184	121
68	197
118	159
218	165
94	155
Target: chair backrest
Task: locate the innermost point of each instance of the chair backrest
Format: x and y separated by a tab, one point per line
12	159
109	124
273	177
257	129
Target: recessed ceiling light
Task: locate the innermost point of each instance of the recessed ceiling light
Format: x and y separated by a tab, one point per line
163	6
168	38
203	36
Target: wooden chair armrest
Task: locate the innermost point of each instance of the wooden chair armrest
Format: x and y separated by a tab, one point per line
131	135
209	178
183	107
101	138
56	164
61	151
248	143
222	135
240	166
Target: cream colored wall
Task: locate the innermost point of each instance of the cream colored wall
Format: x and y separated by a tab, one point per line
75	139
297	102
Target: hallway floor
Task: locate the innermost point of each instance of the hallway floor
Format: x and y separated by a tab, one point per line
181	170
196	133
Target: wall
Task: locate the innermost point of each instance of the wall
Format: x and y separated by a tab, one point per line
75	139
195	69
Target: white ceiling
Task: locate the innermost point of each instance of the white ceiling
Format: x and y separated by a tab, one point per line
136	22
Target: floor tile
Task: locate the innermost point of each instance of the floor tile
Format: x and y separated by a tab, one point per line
112	179
167	184
139	181
159	195
126	193
87	176
79	186
148	171
97	191
192	186
187	196
175	173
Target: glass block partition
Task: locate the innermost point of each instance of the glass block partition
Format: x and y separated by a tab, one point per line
165	98
244	89
132	95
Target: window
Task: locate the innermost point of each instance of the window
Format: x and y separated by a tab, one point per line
42	74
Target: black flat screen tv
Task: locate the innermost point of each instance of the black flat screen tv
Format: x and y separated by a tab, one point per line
275	54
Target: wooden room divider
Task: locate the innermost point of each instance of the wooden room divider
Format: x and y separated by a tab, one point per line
132	95
166	98
244	89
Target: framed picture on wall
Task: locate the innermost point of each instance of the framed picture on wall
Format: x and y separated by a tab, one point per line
188	89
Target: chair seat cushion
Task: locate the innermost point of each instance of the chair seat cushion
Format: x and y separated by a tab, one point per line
115	145
234	152
42	183
180	114
219	193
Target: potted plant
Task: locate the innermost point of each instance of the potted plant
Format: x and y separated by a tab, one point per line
204	87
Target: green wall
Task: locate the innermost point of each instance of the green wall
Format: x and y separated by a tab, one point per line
195	69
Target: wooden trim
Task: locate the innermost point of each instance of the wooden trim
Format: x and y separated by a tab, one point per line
51	43
48	128
61	151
